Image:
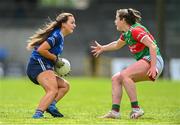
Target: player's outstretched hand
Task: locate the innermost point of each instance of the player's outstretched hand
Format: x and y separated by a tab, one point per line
96	49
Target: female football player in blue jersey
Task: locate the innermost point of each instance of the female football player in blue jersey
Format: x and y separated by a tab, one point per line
47	44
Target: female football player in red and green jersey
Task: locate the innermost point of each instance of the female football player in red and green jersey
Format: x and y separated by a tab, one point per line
148	66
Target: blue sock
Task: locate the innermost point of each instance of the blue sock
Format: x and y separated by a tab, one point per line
53	104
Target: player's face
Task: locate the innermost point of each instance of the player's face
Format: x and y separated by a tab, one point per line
69	25
119	23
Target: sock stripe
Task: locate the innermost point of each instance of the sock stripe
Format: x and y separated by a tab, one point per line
134	104
116	107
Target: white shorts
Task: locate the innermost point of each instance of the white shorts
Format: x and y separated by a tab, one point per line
159	65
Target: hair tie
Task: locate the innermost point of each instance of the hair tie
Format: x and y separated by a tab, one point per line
128	10
130	13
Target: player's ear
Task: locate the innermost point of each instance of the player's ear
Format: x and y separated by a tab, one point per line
63	25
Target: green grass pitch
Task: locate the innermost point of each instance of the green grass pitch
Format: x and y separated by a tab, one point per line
88	99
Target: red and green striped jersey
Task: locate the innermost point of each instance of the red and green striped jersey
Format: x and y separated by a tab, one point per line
133	38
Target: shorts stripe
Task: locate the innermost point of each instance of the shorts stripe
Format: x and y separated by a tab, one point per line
42	64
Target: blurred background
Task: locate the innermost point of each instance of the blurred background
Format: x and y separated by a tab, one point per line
19	19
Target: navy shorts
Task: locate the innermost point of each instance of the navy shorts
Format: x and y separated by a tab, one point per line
35	67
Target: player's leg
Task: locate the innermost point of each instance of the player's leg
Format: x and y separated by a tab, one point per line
116	97
63	88
129	85
47	80
116	88
134	73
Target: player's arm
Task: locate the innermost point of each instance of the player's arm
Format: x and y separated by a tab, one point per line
115	45
44	51
152	48
98	49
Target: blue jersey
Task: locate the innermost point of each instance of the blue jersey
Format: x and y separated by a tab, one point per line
56	41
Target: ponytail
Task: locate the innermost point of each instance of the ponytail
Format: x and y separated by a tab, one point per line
135	15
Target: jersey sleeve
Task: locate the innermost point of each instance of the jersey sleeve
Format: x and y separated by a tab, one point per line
122	37
51	40
138	34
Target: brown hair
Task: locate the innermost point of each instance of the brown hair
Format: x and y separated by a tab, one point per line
42	34
130	15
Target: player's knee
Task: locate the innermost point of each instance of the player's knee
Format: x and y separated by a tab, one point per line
123	77
52	90
116	78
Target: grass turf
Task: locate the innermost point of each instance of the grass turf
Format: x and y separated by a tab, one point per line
88	99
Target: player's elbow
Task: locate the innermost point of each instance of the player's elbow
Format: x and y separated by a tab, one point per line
153	47
118	46
40	51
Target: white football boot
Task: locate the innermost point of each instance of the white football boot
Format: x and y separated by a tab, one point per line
136	113
111	114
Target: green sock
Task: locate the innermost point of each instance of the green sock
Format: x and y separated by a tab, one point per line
134	104
116	107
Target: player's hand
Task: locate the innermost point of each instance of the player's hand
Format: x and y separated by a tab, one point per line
152	72
97	49
59	63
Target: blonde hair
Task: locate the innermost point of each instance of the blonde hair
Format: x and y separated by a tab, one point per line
130	15
41	34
